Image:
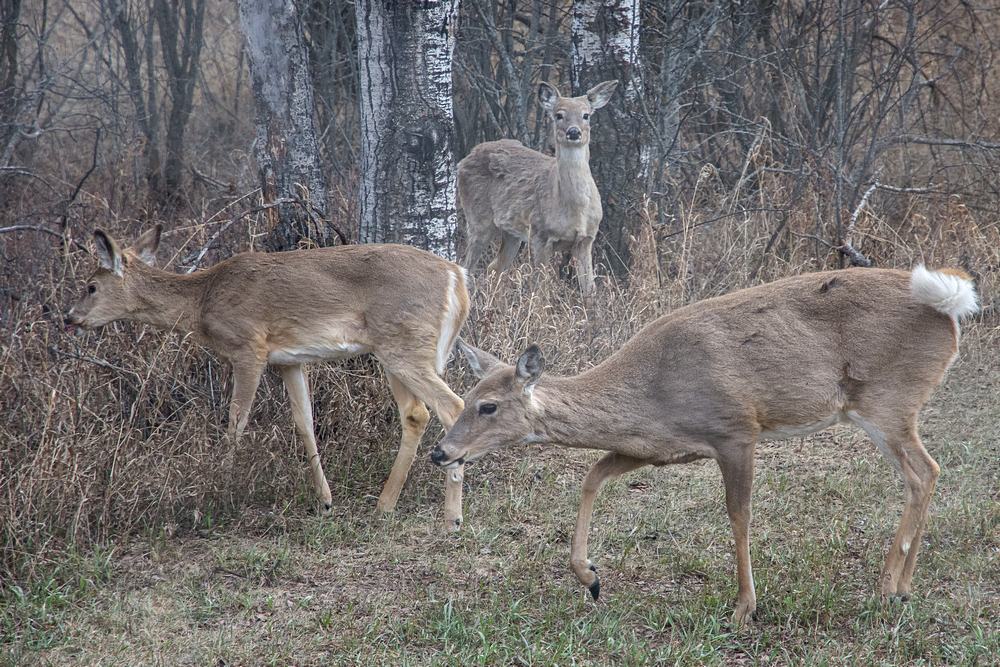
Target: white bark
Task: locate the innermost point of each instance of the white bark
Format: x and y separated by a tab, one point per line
407	184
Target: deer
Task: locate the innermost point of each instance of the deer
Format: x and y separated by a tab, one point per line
403	305
551	203
707	381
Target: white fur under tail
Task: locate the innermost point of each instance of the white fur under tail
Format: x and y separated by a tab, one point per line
944	292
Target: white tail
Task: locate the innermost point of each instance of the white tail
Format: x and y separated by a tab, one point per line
521	195
865	346
403	305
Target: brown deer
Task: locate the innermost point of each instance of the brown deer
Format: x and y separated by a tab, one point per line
785	359
551	203
401	304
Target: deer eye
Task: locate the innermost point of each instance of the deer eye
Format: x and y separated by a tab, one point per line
559	116
586	116
91	289
487	409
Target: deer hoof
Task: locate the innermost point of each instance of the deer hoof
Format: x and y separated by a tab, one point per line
595	586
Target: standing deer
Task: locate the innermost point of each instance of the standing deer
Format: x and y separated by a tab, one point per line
781	360
550	203
399	303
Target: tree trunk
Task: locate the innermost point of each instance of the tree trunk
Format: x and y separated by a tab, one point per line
606	46
10	13
287	148
407	180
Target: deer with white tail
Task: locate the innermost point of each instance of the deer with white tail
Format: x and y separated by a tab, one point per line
403	305
523	196
785	359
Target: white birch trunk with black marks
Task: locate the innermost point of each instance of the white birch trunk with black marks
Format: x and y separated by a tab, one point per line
407	190
287	148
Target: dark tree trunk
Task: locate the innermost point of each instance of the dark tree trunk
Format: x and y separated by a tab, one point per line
287	147
606	46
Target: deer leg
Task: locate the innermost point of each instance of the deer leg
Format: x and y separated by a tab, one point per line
901	445
510	245
582	253
413	416
541	252
737	475
477	245
246	378
430	388
609	467
297	385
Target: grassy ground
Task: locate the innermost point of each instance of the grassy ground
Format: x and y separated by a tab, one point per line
276	584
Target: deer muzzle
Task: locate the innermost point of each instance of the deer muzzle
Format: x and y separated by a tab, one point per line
439	458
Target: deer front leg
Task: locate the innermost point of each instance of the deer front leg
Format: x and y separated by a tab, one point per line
428	387
582	253
297	385
737	475
609	467
246	378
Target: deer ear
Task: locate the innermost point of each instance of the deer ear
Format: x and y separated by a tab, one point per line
109	253
482	363
530	367
145	246
600	94
548	96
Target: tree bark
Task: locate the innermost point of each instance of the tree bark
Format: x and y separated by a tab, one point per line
407	180
606	46
287	147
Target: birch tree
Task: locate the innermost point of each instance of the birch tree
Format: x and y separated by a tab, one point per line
287	148
407	190
606	46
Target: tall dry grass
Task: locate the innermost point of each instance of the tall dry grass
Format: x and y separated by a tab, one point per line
119	431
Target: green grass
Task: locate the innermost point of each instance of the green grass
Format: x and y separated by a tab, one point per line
356	589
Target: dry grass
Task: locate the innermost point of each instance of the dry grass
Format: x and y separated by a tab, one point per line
127	538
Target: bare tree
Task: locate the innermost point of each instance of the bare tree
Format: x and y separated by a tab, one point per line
178	29
10	13
407	189
287	147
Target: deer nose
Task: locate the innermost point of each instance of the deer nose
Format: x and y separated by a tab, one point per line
574	134
437	456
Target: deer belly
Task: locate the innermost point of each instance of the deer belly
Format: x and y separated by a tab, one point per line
307	354
780	432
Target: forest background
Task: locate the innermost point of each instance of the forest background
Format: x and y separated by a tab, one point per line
747	141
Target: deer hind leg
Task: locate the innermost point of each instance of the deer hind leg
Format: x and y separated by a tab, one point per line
477	243
297	385
428	387
609	467
737	475
510	245
413	416
898	441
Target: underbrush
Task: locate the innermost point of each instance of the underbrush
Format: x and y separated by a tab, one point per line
128	534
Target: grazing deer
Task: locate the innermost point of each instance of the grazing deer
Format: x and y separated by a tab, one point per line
550	203
287	309
786	359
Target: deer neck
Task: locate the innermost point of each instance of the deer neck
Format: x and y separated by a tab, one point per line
163	299
572	178
574	412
